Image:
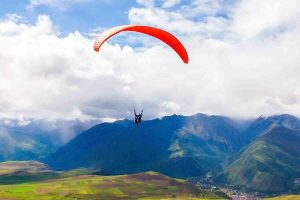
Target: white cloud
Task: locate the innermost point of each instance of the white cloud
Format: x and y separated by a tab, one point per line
202	7
254	17
147	3
245	65
13	17
177	21
170	3
155	3
234	70
198	18
45	76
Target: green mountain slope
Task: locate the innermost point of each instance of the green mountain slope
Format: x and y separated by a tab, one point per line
177	146
269	164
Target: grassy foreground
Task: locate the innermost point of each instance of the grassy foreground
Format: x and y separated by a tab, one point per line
31	180
144	186
289	197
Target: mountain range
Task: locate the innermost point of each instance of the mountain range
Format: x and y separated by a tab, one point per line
176	145
261	155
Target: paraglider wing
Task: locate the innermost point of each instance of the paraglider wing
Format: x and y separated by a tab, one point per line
160	34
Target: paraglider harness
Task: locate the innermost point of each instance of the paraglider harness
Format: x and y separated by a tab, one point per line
138	117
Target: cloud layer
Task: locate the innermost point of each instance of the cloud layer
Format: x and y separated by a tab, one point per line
244	62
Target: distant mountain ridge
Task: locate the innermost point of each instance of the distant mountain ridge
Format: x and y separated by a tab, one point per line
35	139
262	125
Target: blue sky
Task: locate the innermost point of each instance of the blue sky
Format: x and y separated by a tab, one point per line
81	16
48	68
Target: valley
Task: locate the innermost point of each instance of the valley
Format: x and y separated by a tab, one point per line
219	156
83	184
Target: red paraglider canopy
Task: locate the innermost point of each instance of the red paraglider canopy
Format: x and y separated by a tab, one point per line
160	34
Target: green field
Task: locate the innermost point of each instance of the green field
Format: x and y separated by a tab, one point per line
148	186
289	197
32	180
